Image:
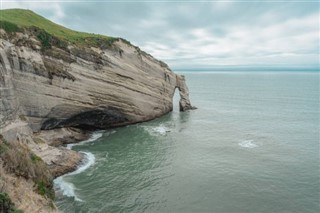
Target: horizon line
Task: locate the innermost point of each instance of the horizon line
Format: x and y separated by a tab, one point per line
250	68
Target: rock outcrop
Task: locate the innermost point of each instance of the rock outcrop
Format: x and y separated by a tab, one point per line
184	103
89	88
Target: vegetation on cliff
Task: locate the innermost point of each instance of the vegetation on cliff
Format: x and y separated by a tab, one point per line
18	159
18	20
6	205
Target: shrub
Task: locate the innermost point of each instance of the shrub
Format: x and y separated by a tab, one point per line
44	190
35	158
19	160
6	205
38	141
45	39
9	27
3	145
22	117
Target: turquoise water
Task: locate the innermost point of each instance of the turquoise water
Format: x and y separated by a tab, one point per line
252	146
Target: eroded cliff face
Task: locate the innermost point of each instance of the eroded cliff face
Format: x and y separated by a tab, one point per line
90	88
46	90
9	104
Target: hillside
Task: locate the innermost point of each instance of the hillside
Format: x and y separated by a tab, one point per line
14	20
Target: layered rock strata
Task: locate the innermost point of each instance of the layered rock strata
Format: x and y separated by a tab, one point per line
88	88
57	94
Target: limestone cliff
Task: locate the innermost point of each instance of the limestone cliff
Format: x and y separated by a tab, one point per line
83	87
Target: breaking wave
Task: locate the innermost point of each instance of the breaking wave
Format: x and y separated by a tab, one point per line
67	188
159	130
94	137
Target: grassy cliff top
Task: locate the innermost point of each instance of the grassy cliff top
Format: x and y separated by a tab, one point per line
13	20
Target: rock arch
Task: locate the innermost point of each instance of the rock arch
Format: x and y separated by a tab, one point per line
184	103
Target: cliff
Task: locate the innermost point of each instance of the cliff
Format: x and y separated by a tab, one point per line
64	84
53	80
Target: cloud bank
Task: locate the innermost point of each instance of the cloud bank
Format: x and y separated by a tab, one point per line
199	33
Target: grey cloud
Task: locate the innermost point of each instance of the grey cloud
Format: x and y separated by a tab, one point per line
202	34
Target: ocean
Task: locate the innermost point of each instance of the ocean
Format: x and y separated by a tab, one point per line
251	146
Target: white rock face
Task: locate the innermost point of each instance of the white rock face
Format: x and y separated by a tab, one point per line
84	87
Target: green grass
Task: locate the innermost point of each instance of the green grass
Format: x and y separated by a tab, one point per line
20	160
44	190
9	27
6	205
38	141
3	145
35	158
13	20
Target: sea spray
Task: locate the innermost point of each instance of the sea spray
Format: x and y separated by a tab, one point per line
67	188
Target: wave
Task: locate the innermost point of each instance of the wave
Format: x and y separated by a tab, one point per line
159	130
67	188
248	144
94	136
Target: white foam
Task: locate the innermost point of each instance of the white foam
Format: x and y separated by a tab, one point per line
248	144
93	137
67	188
159	130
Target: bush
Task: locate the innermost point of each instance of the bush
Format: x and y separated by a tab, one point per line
22	117
45	39
35	158
3	145
19	160
9	27
6	205
38	141
45	190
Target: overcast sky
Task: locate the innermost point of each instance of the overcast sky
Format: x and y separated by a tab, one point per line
198	33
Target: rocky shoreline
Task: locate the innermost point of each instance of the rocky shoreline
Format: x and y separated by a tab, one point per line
49	147
59	159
